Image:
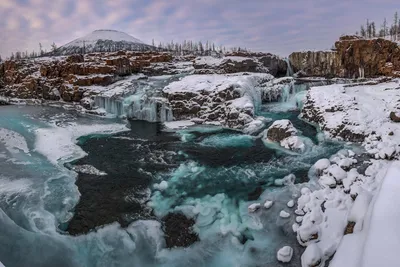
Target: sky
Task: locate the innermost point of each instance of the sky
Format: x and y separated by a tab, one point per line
275	26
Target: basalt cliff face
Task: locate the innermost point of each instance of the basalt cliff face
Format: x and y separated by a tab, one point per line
353	57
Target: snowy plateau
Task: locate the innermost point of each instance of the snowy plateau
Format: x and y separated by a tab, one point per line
113	153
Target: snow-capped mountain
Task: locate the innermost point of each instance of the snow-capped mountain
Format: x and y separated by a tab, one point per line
103	41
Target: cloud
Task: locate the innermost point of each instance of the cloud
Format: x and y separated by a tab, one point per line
264	25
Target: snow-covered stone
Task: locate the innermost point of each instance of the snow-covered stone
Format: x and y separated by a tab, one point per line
284	214
280	130
336	172
294	143
285	254
290	204
162	186
287	180
268	204
321	165
254	207
312	256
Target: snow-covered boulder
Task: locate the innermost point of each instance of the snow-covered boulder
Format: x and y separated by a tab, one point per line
287	180
230	100
294	143
280	130
254	207
344	112
230	64
284	254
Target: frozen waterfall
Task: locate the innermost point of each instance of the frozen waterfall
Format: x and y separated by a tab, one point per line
138	106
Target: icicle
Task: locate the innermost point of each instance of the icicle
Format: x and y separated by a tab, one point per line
110	105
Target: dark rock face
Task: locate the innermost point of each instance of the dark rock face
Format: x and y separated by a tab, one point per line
353	57
394	117
178	230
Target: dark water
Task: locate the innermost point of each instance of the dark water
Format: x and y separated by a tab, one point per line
241	168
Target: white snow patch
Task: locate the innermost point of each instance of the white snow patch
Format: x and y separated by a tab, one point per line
285	254
58	143
284	214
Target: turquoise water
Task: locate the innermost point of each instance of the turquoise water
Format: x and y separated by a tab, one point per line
213	174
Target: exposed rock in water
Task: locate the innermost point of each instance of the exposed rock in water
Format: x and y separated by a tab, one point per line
353	57
280	130
179	230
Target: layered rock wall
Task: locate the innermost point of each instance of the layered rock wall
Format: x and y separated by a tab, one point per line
353	57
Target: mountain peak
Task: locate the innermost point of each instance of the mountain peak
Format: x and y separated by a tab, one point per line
102	40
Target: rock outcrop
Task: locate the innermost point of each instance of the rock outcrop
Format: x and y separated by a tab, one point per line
241	62
67	78
280	130
353	57
276	66
224	99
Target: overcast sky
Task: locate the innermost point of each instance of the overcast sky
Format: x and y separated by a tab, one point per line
277	26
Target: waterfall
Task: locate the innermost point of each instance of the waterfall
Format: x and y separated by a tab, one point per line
138	106
111	105
361	72
289	71
151	109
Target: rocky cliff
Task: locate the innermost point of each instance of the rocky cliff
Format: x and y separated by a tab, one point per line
66	78
353	57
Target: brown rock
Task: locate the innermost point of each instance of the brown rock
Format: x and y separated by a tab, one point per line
393	117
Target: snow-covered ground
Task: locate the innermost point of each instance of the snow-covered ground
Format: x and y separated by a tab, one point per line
355	112
351	213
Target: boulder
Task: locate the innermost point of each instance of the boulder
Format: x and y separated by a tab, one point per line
280	130
179	230
395	117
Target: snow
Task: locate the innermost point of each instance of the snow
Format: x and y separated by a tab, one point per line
178	124
214	82
58	143
13	141
336	172
293	143
215	62
359	210
322	164
268	204
92	38
311	256
284	214
284	124
285	254
342	108
290	204
161	186
254	207
382	242
287	180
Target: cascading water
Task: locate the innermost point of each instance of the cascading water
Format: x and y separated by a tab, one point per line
289	71
148	108
111	105
139	100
